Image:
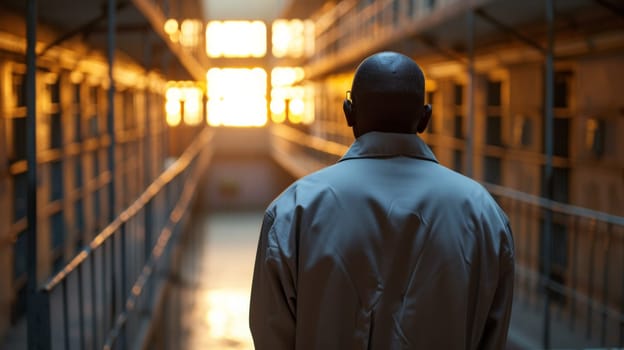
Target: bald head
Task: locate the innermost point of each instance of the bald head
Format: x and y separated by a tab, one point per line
387	95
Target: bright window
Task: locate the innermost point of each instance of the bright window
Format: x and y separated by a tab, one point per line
237	97
236	39
292	38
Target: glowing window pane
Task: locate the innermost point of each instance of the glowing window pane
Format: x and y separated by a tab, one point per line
292	38
286	76
278	106
172	108
236	39
192	105
296	107
184	103
308	114
237	97
190	31
290	101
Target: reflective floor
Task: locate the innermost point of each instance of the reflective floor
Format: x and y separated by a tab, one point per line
215	279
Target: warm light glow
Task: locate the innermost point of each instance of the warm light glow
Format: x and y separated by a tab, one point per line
171	26
237	97
278	118
173	93
289	101
190	32
590	134
173	109
76	77
184	102
295	107
278	106
291	38
308	114
193	106
286	76
227	316
236	39
295	118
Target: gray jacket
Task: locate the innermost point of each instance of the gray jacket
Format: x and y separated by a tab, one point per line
386	249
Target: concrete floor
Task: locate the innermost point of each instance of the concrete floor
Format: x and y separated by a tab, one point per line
217	268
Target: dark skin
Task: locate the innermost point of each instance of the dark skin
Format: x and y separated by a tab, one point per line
387	95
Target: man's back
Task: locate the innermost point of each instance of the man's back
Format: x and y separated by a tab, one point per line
384	250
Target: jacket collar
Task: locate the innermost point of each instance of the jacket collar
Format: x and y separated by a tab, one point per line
384	144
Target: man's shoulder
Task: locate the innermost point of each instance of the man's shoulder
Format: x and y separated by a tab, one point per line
454	187
456	184
304	190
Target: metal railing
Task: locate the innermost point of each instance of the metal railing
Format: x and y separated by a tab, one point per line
584	287
103	298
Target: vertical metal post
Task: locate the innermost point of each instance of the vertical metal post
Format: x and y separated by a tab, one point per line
148	227
111	108
147	58
548	168
123	282
605	284
37	309
470	21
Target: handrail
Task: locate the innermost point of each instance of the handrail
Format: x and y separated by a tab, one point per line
555	206
315	142
152	190
150	266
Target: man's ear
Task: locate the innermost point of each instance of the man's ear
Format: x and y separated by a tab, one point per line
347	107
424	120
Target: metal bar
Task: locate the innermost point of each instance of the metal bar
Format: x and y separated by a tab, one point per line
148	230
123	277
38	303
113	302
510	30
65	316
605	286
590	274
470	40
111	106
574	282
93	303
548	169
105	287
83	345
521	240
527	249
621	344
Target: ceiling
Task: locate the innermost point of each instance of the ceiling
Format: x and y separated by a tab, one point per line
266	10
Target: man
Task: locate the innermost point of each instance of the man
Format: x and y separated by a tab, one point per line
386	249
